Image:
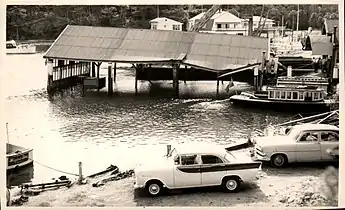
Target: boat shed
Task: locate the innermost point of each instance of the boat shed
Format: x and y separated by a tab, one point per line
206	51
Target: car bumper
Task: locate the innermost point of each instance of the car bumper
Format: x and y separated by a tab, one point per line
258	156
138	186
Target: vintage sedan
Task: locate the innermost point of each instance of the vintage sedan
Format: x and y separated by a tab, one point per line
196	166
301	143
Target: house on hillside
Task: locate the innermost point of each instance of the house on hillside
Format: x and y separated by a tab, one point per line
268	24
269	27
225	22
221	22
162	23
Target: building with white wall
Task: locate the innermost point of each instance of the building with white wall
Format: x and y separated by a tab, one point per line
221	22
225	22
162	23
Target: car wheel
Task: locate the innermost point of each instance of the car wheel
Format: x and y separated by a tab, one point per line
279	160
231	184
154	188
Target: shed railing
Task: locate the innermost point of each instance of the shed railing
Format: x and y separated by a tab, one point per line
71	70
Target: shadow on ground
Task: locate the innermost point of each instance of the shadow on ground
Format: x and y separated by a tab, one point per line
298	169
205	196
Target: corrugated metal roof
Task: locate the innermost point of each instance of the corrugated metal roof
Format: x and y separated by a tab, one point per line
164	19
330	23
321	45
208	51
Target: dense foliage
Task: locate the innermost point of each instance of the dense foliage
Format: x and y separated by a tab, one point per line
27	22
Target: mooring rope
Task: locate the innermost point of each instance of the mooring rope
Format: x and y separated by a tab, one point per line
54	168
21	153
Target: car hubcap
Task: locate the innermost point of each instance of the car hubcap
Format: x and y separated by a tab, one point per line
231	184
154	189
279	160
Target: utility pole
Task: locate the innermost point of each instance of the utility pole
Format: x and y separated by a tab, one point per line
282	25
297	17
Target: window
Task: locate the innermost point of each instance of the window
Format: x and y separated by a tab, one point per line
176	27
283	95
301	96
210	159
288	95
271	94
316	95
294	95
226	25
188	159
309	137
240	34
329	136
219	25
278	94
154	27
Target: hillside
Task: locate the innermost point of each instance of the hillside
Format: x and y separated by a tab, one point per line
29	22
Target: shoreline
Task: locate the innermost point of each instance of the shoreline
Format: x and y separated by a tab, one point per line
301	185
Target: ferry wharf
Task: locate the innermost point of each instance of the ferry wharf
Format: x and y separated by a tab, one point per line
76	55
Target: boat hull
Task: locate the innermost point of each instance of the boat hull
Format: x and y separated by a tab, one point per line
283	106
18	157
31	49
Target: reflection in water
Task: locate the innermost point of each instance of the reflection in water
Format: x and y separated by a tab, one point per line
123	130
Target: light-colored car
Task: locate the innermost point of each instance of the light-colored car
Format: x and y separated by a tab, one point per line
302	143
196	166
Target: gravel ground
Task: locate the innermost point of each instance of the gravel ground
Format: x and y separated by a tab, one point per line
294	186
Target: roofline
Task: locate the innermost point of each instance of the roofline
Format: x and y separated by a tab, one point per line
117	61
56	40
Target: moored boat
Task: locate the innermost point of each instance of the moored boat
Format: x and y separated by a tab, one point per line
287	98
17	156
13	48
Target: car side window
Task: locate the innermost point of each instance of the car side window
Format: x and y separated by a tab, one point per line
188	159
329	136
309	137
210	159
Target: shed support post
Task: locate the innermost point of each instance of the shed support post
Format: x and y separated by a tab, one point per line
136	80
217	94
93	69
98	66
256	73
110	81
50	75
114	72
185	74
175	80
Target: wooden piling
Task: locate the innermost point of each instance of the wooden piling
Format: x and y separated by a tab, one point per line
256	73
185	74
175	80
217	94
98	66
80	179
136	80
114	72
110	81
50	75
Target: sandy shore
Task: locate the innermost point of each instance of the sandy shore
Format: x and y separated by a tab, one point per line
297	185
